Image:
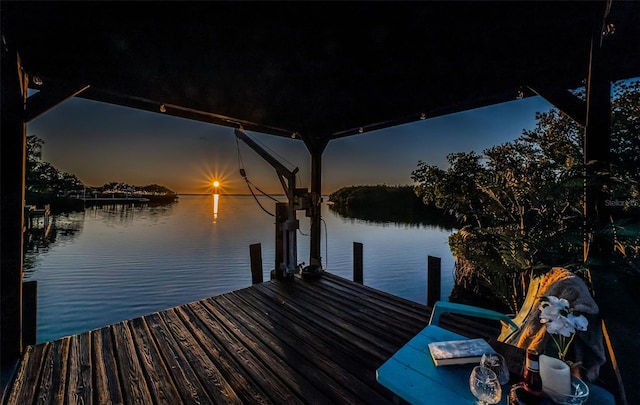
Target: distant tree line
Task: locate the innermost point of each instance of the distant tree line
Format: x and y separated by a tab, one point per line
43	177
382	203
153	189
45	184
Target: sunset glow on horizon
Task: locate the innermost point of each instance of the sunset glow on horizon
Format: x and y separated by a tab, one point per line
100	143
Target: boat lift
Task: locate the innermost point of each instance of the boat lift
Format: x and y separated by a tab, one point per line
297	199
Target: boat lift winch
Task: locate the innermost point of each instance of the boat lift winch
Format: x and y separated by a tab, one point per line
297	199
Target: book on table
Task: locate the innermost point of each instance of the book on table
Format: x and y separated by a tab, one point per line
459	351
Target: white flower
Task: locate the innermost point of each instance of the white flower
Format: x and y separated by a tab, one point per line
548	312
558	317
559	303
579	322
561	326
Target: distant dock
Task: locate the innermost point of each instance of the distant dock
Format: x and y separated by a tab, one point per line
127	199
37	218
117	200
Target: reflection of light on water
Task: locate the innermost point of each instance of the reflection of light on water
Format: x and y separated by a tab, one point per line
216	197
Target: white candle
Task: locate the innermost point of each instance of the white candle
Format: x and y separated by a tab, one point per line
555	375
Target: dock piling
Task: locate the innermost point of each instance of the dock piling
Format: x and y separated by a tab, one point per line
255	251
434	277
358	276
29	312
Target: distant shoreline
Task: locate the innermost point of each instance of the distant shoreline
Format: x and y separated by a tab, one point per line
230	194
239	194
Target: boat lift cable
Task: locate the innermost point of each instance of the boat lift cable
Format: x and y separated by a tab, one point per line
288	225
250	185
326	245
275	153
326	242
282	159
256	198
261	192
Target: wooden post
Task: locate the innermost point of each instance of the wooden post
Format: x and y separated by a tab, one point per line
13	141
255	251
433	279
29	312
281	217
597	159
604	275
315	258
357	263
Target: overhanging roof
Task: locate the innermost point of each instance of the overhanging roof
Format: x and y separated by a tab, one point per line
322	70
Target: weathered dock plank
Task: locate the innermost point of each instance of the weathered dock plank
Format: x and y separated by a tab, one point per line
26	384
307	333
218	388
134	386
278	357
158	379
54	373
305	343
296	341
80	386
107	382
249	356
187	383
353	310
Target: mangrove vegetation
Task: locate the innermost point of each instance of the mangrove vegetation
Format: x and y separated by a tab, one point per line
382	203
45	184
520	205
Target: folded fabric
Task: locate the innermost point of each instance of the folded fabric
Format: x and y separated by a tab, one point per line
588	346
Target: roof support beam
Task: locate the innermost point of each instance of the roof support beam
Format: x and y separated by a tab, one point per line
597	145
182	112
598	248
49	97
316	147
565	101
315	256
14	141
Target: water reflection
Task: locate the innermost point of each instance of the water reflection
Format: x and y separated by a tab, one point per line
65	228
126	213
119	262
400	216
216	198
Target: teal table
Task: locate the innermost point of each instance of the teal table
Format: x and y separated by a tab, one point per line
411	374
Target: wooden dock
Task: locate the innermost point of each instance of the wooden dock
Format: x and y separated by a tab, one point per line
295	341
32	215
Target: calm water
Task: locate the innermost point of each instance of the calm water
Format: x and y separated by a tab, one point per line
114	263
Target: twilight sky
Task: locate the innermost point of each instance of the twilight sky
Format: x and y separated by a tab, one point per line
100	143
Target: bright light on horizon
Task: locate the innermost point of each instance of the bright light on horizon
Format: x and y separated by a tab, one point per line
215	181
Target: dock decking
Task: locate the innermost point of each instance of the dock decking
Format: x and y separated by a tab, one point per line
294	341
